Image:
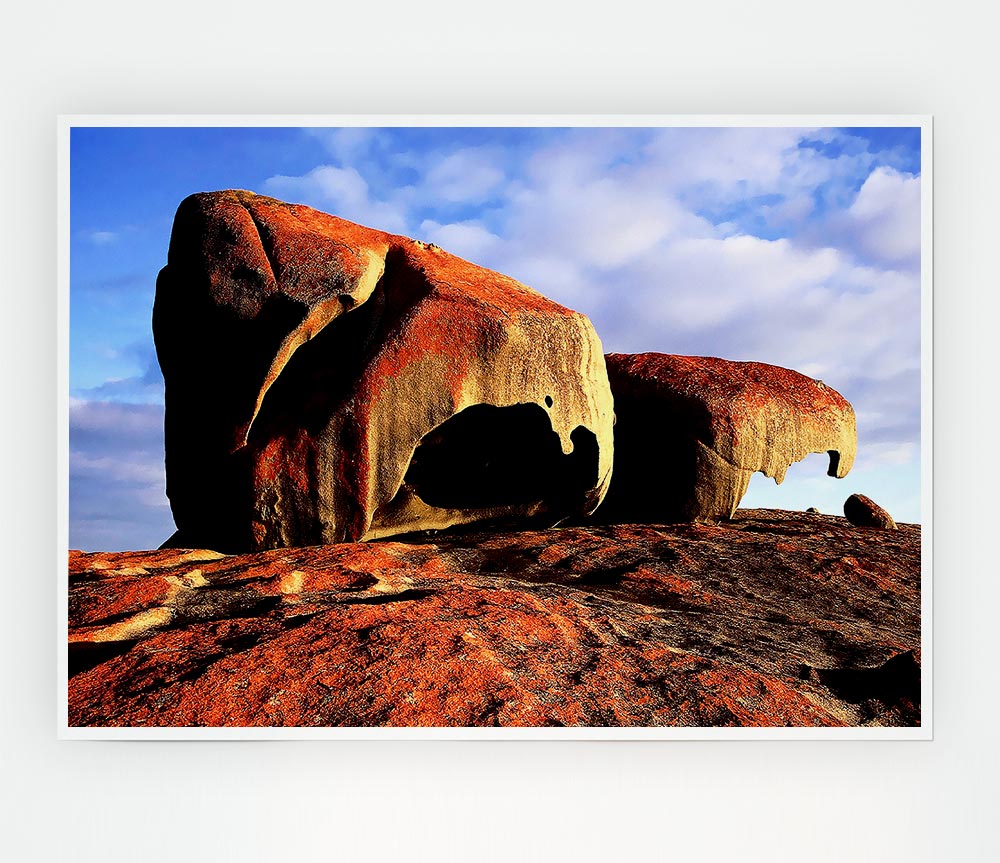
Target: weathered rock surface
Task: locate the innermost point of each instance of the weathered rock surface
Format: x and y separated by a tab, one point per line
864	512
775	618
691	431
329	382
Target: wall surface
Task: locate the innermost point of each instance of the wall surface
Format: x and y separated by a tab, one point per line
82	801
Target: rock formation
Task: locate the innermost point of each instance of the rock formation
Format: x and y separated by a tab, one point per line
691	431
774	618
864	512
326	382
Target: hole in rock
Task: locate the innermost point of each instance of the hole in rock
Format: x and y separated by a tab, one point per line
806	484
834	462
548	401
655	461
488	456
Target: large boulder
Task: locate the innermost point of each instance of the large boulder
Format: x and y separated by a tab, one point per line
691	431
328	382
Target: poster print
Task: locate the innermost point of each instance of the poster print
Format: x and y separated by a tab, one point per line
496	427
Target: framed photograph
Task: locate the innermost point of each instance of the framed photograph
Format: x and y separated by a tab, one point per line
495	427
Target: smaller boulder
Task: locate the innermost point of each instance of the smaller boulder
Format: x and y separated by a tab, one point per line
813	510
690	432
864	512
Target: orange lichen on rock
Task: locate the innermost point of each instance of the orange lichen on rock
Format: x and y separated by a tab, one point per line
624	625
691	431
307	361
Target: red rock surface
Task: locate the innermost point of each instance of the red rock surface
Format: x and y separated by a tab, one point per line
691	431
306	358
772	619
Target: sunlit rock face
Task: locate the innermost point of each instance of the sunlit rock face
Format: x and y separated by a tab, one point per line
691	431
327	382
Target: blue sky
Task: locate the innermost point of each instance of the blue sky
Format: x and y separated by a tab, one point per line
798	247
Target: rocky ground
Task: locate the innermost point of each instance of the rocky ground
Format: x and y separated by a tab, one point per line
774	618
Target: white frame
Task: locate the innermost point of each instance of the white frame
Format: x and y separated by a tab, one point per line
924	732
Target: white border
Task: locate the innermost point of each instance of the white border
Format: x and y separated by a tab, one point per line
66	122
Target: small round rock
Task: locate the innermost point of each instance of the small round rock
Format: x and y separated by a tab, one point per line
813	510
864	512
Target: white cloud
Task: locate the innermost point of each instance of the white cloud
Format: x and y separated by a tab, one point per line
558	277
876	453
117	497
347	143
467	239
143	422
101	238
116	469
343	186
605	222
885	217
742	161
712	281
468	175
789	210
341	191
